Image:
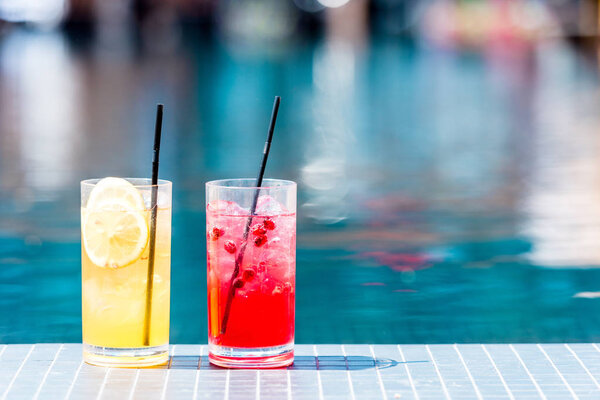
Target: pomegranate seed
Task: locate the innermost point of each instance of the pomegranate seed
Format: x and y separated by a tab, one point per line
262	266
230	246
260	240
216	233
248	275
269	224
258	230
238	283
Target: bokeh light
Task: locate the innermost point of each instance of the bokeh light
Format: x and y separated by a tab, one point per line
333	3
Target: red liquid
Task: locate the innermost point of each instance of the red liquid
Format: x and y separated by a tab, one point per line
262	310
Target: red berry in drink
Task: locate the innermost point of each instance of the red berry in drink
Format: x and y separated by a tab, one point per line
230	246
260	240
258	230
262	267
216	233
248	275
269	224
238	283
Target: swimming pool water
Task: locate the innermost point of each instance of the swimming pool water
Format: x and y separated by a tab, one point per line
443	196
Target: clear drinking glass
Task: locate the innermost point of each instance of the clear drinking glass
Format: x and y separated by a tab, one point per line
125	320
251	272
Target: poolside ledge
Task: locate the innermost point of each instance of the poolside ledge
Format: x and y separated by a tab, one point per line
464	371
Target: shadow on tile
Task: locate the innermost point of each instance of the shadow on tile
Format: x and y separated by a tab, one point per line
320	363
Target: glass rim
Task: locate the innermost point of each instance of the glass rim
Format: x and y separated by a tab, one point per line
268	183
146	182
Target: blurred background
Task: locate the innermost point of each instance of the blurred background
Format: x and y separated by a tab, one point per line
446	154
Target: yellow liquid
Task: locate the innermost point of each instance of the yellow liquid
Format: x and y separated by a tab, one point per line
114	299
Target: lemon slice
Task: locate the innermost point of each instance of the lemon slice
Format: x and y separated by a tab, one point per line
115	192
114	224
114	239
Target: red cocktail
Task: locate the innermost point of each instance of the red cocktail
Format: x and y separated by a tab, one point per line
251	273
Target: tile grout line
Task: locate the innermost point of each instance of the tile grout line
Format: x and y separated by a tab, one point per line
289	385
4	347
68	395
510	394
18	372
538	388
258	384
350	385
352	394
462	360
595	346
133	386
582	365
318	372
562	378
438	372
169	364
410	379
226	394
164	389
39	389
103	384
197	380
381	385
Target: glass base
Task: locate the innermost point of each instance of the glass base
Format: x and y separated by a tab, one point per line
126	357
264	357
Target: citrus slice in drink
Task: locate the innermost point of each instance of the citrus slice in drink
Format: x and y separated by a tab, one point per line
115	192
114	224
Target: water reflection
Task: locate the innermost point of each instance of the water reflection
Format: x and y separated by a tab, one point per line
436	185
43	108
562	199
328	144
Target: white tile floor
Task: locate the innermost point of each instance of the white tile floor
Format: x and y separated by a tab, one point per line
471	371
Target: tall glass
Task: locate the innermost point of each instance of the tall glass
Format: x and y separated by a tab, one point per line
251	273
125	320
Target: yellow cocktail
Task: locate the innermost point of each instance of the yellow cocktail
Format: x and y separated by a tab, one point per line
125	321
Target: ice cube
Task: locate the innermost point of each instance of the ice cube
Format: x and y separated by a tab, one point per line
267	205
268	285
223	207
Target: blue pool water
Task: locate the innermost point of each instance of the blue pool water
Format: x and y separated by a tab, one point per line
444	196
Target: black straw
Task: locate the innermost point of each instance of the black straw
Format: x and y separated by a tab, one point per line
259	179
154	211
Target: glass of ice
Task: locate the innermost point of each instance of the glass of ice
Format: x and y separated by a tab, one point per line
251	271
